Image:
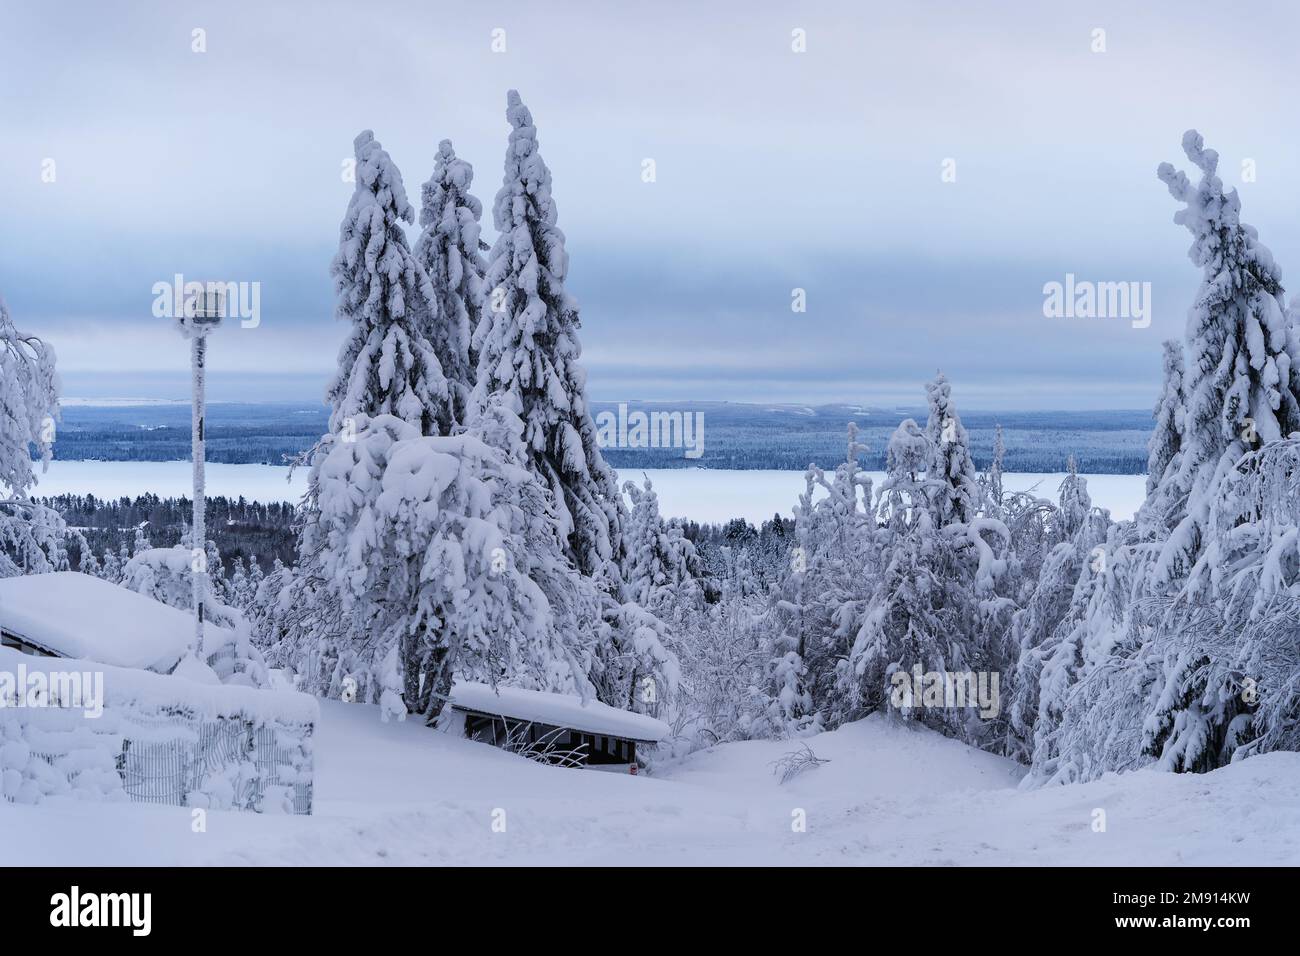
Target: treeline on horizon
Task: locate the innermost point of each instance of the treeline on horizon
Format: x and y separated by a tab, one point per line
745	437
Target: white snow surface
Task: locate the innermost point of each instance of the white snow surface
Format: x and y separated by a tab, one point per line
132	691
561	710
399	793
82	616
702	494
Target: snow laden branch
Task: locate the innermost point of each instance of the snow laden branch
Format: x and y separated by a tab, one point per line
33	538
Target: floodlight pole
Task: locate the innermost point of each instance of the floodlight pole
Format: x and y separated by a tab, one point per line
201	311
198	557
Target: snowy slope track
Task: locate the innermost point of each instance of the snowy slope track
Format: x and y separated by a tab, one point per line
400	794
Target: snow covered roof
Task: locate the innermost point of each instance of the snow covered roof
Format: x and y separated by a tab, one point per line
559	710
77	615
139	692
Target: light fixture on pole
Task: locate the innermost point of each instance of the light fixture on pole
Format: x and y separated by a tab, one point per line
200	313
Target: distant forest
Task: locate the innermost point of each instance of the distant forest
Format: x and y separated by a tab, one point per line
248	531
240	529
784	437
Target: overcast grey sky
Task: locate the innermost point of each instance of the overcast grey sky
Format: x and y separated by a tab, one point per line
775	170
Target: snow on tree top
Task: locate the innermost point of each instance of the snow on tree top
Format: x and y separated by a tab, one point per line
82	616
559	710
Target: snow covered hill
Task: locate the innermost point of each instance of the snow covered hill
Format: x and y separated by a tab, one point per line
402	794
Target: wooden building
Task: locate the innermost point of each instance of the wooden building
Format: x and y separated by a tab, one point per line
558	729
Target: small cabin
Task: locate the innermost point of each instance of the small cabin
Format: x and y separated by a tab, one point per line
557	729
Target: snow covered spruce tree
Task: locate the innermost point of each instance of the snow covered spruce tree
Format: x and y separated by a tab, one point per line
908	620
1161	654
662	569
449	252
993	491
831	577
431	543
955	490
387	365
241	591
781	704
981	565
528	374
1242	377
942	600
1076	503
1225	669
1051	632
1242	386
663	576
33	538
528	354
275	628
905	621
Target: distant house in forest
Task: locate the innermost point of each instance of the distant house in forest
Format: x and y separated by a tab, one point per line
557	729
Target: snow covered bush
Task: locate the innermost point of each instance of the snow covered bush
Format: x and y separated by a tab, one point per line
725	659
166	575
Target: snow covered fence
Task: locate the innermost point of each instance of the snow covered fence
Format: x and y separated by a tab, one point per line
158	739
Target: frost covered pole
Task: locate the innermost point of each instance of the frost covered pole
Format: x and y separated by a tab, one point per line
198	540
200	314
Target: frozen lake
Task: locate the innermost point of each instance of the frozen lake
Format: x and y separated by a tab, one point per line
705	495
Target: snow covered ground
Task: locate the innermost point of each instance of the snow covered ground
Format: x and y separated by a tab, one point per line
707	495
402	794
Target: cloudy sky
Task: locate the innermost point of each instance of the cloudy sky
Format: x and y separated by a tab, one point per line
774	170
